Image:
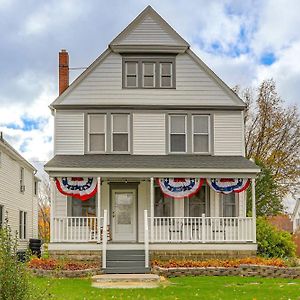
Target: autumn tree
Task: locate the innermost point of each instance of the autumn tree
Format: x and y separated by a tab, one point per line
44	209
272	139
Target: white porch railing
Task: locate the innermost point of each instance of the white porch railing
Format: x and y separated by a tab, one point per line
202	229
76	229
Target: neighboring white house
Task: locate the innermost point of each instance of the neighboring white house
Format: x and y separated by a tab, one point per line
162	136
18	193
296	216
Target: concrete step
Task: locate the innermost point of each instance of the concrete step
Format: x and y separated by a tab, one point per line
125	263
126	270
123	281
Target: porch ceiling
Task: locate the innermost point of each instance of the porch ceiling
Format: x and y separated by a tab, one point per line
152	165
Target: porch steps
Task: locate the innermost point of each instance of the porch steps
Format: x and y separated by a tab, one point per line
125	262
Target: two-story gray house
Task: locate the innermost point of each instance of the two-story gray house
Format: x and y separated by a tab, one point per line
149	155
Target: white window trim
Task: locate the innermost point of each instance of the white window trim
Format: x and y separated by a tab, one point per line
209	134
160	75
112	133
98	132
21	234
143	74
136	73
185	133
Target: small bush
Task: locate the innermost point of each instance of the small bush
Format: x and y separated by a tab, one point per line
15	279
272	242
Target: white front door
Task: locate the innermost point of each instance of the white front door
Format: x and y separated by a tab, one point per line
124	215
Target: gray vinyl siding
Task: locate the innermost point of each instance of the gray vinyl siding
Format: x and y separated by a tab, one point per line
228	133
149	32
149	134
13	200
69	133
103	86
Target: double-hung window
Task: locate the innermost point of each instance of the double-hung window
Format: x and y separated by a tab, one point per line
120	133
22	225
131	74
229	205
201	136
1	215
97	133
149	74
178	130
22	181
166	74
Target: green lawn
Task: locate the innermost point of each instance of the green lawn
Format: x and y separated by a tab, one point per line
180	288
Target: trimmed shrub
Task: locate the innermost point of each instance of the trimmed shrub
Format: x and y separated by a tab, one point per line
272	242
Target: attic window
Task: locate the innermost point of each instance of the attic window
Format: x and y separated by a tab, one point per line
146	72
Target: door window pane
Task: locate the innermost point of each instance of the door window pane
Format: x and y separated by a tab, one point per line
124	206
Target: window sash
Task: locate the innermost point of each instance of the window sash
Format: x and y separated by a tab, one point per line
207	134
22	225
166	75
178	134
131	75
149	75
97	133
229	205
114	134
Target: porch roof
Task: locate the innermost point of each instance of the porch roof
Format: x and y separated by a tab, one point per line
155	164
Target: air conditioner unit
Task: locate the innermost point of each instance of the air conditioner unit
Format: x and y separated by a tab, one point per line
22	188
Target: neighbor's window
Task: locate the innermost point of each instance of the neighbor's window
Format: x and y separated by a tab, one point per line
198	204
22	183
163	205
229	205
201	133
177	128
166	74
22	225
148	74
120	132
1	215
131	74
36	184
97	132
78	208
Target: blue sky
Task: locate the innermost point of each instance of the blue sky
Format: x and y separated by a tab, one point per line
244	42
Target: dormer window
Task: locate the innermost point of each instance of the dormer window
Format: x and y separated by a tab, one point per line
149	72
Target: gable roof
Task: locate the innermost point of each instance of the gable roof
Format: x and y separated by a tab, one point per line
149	29
120	41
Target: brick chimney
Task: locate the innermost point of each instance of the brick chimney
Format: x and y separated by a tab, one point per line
63	71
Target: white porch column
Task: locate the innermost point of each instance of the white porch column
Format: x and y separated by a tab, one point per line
253	209
151	209
52	197
99	210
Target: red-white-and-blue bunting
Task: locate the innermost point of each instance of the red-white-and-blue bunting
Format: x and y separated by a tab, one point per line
228	185
180	187
77	187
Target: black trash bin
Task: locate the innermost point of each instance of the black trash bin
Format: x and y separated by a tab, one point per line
35	247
